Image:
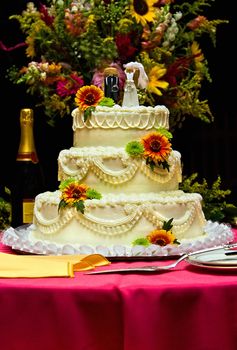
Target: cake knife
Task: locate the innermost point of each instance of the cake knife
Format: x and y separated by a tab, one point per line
227	247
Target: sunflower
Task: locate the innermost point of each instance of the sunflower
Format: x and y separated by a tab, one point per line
157	147
88	96
73	195
143	11
161	237
155	83
74	192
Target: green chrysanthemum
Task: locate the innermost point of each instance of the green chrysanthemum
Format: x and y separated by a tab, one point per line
141	241
134	148
165	133
93	194
107	101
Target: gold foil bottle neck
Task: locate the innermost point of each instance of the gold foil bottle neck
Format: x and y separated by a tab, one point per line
26	115
26	150
110	71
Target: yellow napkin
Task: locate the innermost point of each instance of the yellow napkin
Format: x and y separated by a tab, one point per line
13	266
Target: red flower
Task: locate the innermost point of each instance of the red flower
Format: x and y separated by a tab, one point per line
125	48
177	70
69	86
45	15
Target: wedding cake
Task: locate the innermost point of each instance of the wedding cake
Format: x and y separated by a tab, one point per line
119	187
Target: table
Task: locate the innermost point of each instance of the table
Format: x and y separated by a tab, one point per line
188	308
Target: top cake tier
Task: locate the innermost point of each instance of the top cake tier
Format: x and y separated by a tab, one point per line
116	126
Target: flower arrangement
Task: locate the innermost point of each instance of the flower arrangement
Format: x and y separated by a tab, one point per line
69	44
155	148
74	194
161	237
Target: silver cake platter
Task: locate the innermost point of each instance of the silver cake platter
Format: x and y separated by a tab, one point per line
215	234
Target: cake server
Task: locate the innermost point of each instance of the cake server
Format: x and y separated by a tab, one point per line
227	247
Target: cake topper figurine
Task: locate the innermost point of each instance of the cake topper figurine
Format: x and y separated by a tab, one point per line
135	75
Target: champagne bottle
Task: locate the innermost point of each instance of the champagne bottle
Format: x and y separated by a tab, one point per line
28	180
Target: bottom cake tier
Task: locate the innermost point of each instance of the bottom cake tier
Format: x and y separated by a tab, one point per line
117	219
111	225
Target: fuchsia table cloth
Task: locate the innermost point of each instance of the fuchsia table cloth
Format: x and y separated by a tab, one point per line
188	308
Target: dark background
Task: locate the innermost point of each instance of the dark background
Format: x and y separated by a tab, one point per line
206	149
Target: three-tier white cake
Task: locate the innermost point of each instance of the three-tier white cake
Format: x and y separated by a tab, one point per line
123	154
136	199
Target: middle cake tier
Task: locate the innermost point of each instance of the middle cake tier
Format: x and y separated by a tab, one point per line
112	170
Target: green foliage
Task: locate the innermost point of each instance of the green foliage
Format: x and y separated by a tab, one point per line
5	214
215	206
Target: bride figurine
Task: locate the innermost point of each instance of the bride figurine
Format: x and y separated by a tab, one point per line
130	97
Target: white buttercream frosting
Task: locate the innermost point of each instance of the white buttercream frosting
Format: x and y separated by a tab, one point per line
115	126
112	169
118	218
122	117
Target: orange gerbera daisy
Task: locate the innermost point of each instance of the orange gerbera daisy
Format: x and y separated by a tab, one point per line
74	192
88	96
161	237
156	147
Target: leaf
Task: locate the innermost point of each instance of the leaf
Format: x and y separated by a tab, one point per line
80	206
167	225
87	112
62	204
165	165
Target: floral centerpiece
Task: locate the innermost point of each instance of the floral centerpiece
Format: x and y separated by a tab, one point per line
69	44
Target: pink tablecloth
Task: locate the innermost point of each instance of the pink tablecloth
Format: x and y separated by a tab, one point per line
188	308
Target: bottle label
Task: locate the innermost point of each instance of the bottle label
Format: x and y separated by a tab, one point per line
28	209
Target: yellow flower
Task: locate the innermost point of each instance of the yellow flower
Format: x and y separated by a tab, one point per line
53	72
161	237
198	55
74	192
154	83
30	50
88	96
143	11
156	147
